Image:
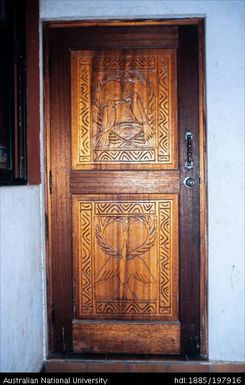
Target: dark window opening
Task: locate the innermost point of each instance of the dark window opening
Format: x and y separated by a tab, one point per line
12	93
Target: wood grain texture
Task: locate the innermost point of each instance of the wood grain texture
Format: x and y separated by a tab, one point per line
60	139
188	109
115	37
126	256
203	197
124	23
122	182
151	338
117	185
124	109
48	208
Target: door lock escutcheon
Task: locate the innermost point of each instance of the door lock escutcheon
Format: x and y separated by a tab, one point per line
189	161
189	182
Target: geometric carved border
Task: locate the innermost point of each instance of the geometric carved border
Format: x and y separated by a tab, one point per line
164	150
164	305
85	263
84	85
161	152
164	257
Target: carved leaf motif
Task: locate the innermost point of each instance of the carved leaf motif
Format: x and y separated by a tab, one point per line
124	246
149	241
108	249
136	267
139	274
106	273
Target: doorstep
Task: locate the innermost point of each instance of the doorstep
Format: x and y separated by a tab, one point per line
134	365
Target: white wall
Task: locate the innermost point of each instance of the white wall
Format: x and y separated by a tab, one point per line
21	208
21	322
225	83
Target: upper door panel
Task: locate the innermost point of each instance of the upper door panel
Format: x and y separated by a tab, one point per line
124	109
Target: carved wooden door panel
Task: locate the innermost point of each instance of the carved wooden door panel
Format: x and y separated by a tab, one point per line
122	223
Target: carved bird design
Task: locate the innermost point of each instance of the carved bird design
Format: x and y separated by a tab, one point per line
130	263
125	107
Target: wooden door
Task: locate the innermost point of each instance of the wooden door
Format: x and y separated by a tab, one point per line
124	228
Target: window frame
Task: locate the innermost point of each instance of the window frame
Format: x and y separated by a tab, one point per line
24	116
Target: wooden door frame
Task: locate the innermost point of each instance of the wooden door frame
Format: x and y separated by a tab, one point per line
200	23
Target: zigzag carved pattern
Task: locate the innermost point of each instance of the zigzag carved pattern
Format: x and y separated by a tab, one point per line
85	265
165	253
125	208
125	156
152	110
166	310
115	63
164	135
126	308
84	108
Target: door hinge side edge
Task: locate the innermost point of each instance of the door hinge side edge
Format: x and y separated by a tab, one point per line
46	225
50	182
53	316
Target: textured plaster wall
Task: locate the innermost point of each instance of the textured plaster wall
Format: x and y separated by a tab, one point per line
21	321
225	118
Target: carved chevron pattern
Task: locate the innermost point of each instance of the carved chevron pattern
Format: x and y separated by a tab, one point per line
86	261
125	208
165	252
164	135
84	108
115	63
133	156
126	307
104	129
104	287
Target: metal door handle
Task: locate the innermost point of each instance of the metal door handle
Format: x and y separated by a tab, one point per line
189	140
189	182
